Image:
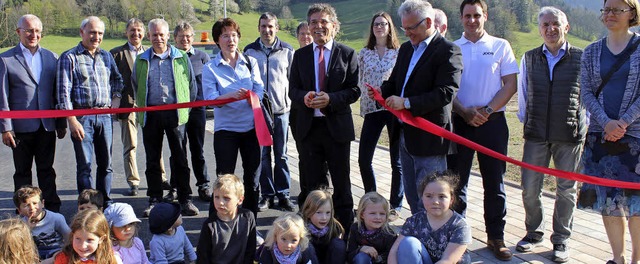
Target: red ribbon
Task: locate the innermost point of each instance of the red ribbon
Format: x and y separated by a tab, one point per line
425	125
262	132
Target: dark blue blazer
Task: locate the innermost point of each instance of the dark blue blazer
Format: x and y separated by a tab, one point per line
20	91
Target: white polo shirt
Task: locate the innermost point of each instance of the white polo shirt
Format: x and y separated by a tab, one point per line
485	63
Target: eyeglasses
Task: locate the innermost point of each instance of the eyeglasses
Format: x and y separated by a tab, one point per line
414	26
380	24
615	11
180	36
31	31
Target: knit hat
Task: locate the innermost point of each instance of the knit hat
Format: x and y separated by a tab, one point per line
120	214
163	216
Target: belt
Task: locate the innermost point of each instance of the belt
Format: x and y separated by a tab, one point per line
493	116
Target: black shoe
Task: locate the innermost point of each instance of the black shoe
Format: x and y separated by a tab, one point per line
204	193
189	209
152	203
166	186
171	196
133	191
285	204
265	203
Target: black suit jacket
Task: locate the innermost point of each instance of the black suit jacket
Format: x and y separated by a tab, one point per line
430	89
124	60
341	85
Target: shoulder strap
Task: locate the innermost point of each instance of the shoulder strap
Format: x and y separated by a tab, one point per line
623	58
248	61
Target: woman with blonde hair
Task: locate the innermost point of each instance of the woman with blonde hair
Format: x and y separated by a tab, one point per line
16	244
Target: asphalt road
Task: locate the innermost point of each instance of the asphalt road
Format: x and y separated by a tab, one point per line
65	167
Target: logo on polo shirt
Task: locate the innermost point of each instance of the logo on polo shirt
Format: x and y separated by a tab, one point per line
488	53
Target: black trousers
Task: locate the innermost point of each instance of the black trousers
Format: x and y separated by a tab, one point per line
157	125
195	129
318	149
41	146
226	145
493	134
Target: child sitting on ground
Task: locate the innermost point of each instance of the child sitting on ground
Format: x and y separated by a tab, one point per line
49	229
124	233
89	241
169	243
230	231
437	234
15	247
90	199
371	237
287	242
325	231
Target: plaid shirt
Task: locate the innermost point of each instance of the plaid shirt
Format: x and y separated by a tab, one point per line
84	81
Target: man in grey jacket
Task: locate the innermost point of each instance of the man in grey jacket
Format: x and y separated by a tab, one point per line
550	78
274	59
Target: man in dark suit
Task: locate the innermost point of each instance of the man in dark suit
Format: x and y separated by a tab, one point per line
323	83
27	82
424	80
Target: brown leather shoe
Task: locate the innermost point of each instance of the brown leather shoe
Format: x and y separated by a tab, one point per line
500	251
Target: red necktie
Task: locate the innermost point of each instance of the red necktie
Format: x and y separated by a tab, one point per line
321	68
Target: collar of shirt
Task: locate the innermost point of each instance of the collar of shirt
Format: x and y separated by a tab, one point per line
25	50
191	51
81	49
561	51
265	47
163	55
482	39
327	45
219	59
134	49
423	44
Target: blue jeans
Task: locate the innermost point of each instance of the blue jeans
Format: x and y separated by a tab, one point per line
411	250
276	181
416	168
565	157
371	130
98	139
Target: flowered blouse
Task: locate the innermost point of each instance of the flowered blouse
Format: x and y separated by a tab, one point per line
456	230
373	70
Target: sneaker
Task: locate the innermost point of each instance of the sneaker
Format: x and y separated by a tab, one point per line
171	196
500	251
393	215
259	239
285	204
152	203
133	191
204	193
265	203
189	209
560	253
166	185
528	243
613	262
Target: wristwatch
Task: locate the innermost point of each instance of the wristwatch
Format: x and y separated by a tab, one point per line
407	104
488	109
